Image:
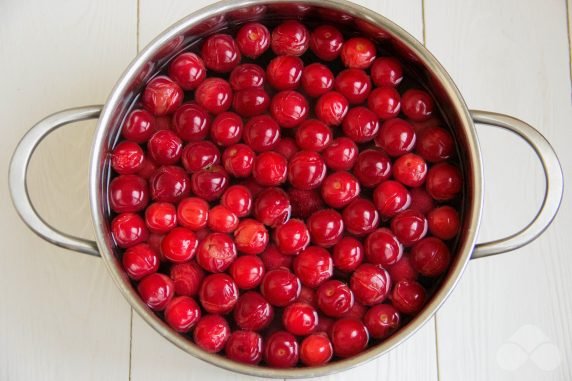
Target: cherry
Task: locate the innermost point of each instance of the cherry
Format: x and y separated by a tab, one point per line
410	170
300	319
247	271
360	217
396	137
308	296
313	266
286	147
237	199
222	220
280	287
402	269
200	155
326	42
210	183
372	167
127	158
317	79
253	312
435	144
214	94
269	169
417	105
334	298
284	72
347	254
444	181
361	124
251	237
354	84
356	312
326	227
160	217
325	324
316	350
220	53
408	296
211	333
187	278
421	200
444	222
386	71
409	226
430	257
331	108
313	135
182	313
341	155
165	147
188	71
382	320
246	76
179	245
191	122
383	248
139	261
251	102
156	291
193	213
290	38
128	193
339	189
128	229
291	237
281	350
390	198
162	96
358	53
261	133
139	126
306	170
272	207
169	184
274	259
218	293
226	129
253	39
289	108
349	337
238	160
385	102
245	347
304	202
370	284
216	252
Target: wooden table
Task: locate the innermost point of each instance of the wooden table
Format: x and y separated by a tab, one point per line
62	318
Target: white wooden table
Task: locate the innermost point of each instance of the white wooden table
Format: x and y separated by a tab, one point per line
62	318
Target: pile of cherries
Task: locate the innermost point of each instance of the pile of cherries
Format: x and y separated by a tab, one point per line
279	197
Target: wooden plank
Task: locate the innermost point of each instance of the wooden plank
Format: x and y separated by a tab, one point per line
62	317
509	317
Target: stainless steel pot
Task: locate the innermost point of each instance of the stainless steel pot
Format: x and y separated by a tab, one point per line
216	17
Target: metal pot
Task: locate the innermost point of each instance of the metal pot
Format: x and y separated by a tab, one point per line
192	28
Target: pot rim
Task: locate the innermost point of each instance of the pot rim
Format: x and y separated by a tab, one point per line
472	155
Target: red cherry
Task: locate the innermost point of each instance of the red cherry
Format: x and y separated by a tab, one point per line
386	71
218	293
238	160
200	155
156	291
317	79
334	298
435	144
430	257
139	126
261	133
356	312
390	198
444	222
226	129
306	170
292	237
211	333
313	135
210	183
341	155
382	247
396	137
220	53
313	266
347	254
358	53
316	350
308	296
270	169
286	147
381	321
421	200
251	237
191	122
247	271
304	202
354	84
252	312
245	347
128	193
246	76
169	184
385	102
280	287
238	200
274	259
408	297
417	105
444	181
281	350
402	269
216	252
251	102
128	229
290	38
349	337
222	220
326	42
162	96
179	245
160	217
214	94
360	217
284	72
139	261
165	147
372	168
188	71
127	158
272	207
409	226
360	125
193	213
339	189
187	278
326	227
331	108
300	319
410	170
289	108
253	39
182	313
370	284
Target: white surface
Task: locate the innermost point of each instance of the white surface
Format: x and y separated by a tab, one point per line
61	317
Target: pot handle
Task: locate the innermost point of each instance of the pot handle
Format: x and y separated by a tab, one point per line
553	177
19	187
